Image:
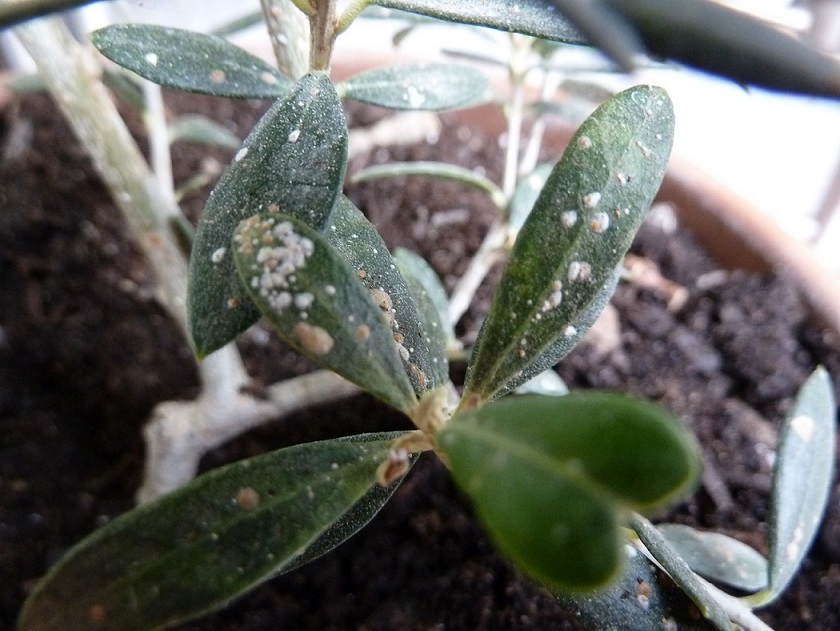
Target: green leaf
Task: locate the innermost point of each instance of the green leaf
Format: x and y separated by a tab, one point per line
548	476
718	557
202	130
316	302
433	169
358	242
801	481
431	87
190	61
525	196
640	599
294	160
195	549
429	288
530	17
547	382
727	42
563	264
679	571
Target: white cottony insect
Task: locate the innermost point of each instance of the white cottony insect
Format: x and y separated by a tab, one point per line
590	200
277	261
579	271
600	222
218	255
568	218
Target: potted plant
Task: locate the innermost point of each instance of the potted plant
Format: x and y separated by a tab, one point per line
293	249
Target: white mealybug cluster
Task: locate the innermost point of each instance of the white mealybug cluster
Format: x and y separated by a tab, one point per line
277	264
555	298
590	200
568	218
414	97
600	222
579	271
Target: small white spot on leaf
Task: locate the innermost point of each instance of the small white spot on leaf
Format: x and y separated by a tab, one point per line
294	135
794	546
600	222
579	271
152	59
241	154
804	427
304	300
590	200
414	96
568	218
218	255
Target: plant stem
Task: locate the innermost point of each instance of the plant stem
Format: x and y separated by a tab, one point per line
517	69
496	237
288	28
73	76
322	34
350	13
154	118
181	432
488	253
551	80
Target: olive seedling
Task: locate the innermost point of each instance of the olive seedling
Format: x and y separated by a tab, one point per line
559	482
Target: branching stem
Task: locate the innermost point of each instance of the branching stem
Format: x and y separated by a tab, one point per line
323	31
73	76
288	27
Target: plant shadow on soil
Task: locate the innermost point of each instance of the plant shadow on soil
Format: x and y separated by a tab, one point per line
85	354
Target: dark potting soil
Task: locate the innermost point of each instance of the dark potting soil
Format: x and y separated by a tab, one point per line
85	354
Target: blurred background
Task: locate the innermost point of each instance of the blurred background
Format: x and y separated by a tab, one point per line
782	153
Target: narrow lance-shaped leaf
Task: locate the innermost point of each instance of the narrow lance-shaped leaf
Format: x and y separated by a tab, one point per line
293	162
727	42
442	170
802	480
529	17
190	61
680	572
358	242
525	196
432	87
548	383
202	130
549	475
414	267
195	549
705	35
316	302
564	261
717	557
